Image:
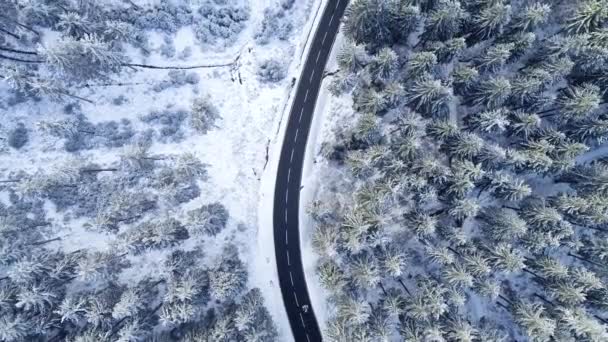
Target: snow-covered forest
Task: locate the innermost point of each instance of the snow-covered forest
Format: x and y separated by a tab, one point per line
132	140
468	198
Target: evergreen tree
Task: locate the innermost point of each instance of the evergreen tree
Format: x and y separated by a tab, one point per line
445	20
532	319
384	64
492	121
331	276
421	63
492	92
502	224
491	20
495	57
352	57
430	96
368	22
506	258
82	60
587	16
531	16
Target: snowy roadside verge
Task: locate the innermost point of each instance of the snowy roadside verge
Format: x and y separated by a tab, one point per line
265	263
320	130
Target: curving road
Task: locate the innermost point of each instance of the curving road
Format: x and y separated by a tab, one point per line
287	189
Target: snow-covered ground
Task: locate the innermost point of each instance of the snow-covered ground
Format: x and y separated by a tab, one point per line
240	152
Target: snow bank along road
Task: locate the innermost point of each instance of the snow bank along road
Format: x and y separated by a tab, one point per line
287	190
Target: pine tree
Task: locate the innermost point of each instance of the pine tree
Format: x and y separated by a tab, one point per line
506	258
352	57
491	20
430	96
442	130
492	92
581	325
523	124
365	272
587	16
461	331
71	309
331	276
495	57
81	60
502	224
449	50
531	17
393	262
421	223
13	328
440	255
464	145
368	22
578	102
477	264
131	331
325	240
492	121
567	293
35	298
487	288
464	208
384	64
532	319
505	187
421	63
445	20
353	310
403	19
73	24
457	275
428	303
373	102
464	78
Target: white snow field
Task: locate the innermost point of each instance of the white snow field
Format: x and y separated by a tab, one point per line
240	151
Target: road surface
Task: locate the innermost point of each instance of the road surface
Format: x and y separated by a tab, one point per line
287	189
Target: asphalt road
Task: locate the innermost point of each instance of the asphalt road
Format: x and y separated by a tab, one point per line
287	189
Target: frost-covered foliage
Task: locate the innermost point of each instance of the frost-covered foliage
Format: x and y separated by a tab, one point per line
272	70
276	24
18	136
203	114
221	21
471	202
177	78
168	123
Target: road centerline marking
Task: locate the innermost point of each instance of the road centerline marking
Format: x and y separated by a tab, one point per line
324	37
307	338
306	96
288	263
291	158
302	318
296	297
311	76
286	240
287	195
318	56
297	132
291	278
288	174
285	215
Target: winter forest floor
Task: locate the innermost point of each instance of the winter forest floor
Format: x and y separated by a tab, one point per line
148	172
